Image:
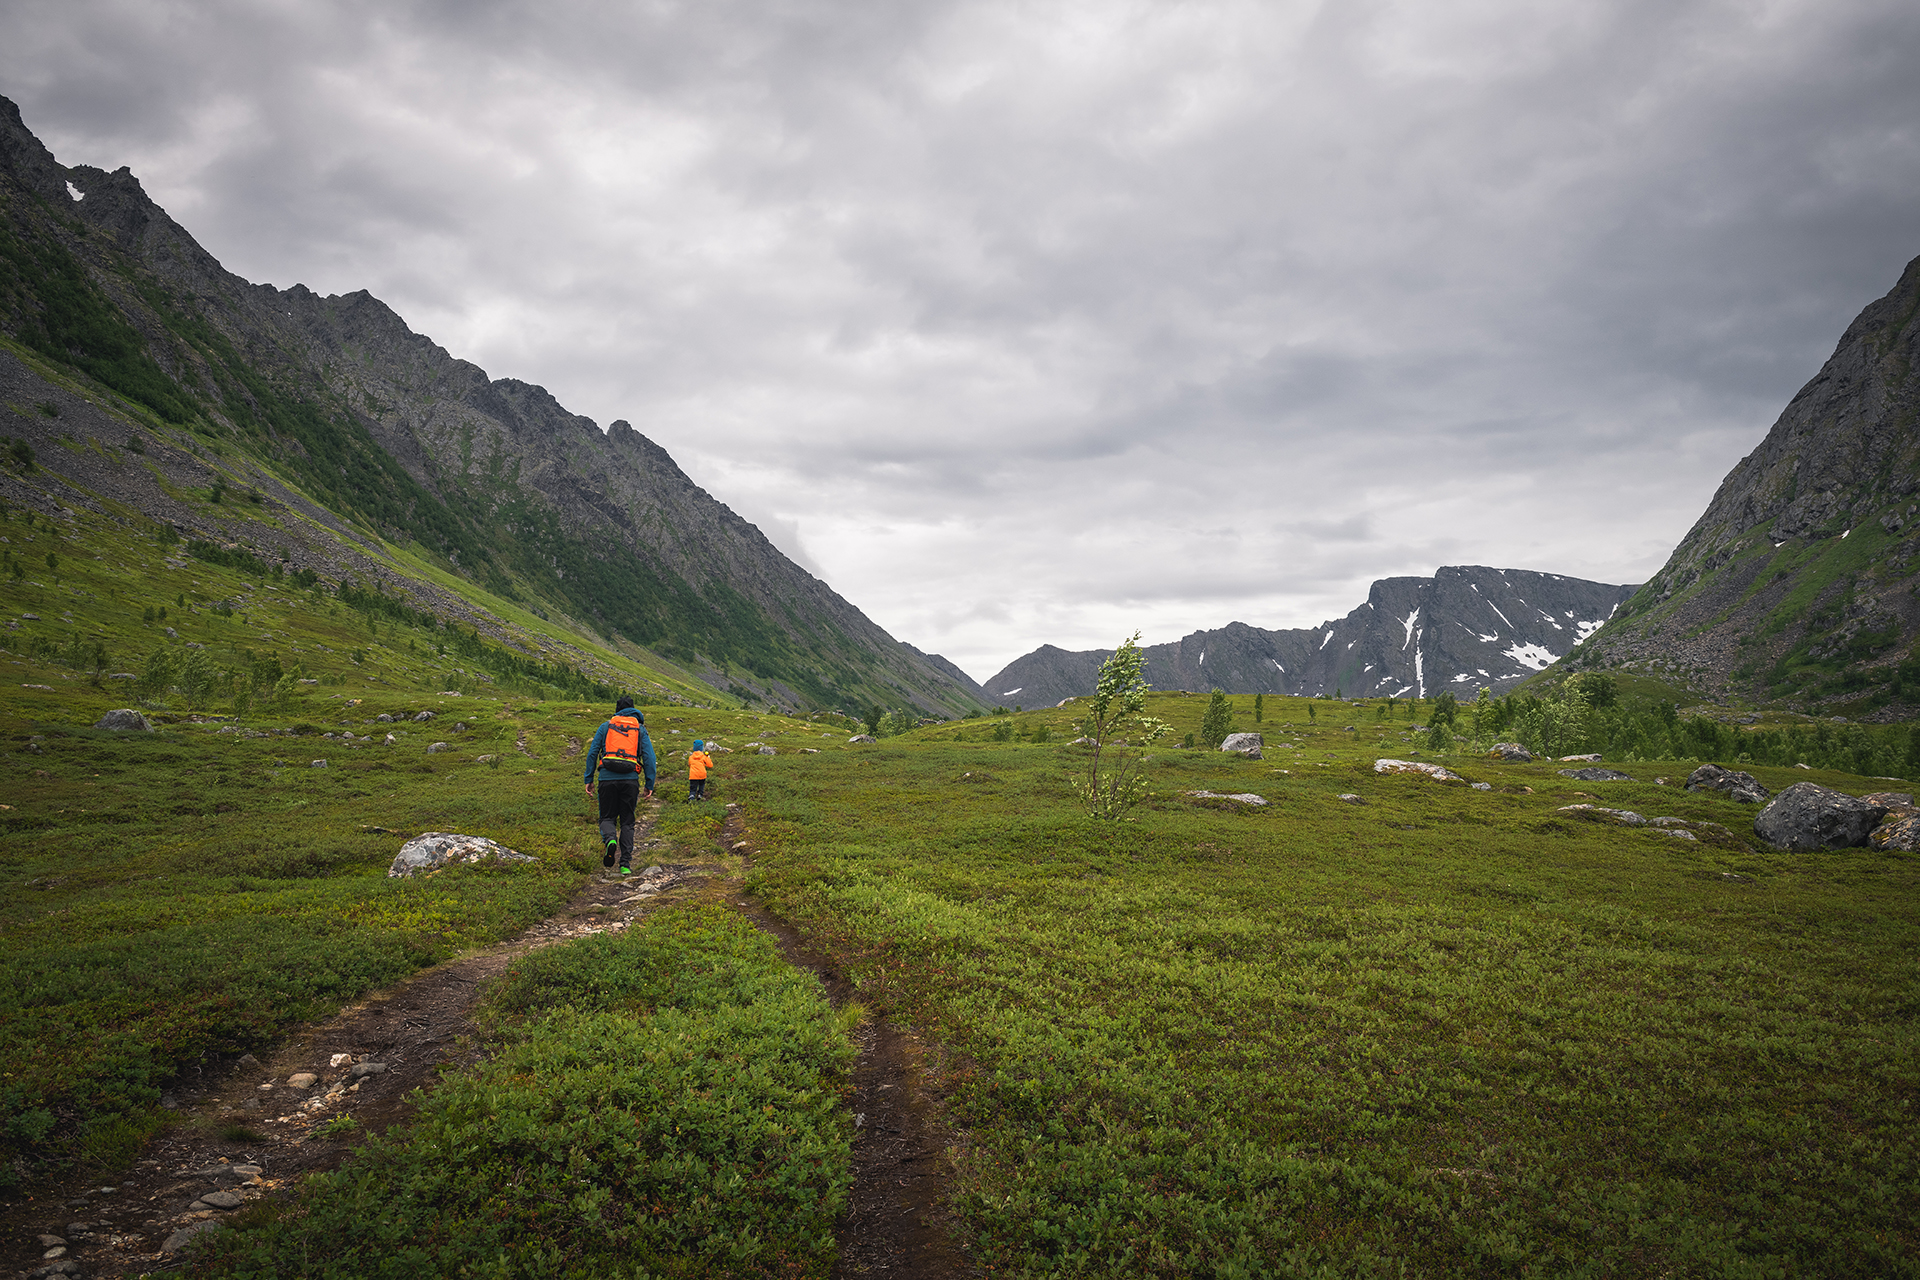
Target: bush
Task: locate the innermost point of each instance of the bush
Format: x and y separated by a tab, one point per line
1217	723
1112	784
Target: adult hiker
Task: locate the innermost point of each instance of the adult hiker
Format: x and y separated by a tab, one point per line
620	753
699	765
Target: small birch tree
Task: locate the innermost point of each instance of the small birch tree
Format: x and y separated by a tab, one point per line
1112	784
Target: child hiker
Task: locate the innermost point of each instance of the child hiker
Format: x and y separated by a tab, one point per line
699	764
620	752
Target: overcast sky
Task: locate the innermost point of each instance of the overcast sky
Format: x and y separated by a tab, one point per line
1027	323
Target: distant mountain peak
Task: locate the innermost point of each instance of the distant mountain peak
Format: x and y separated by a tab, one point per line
1466	627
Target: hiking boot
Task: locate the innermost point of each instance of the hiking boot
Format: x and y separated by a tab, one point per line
626	871
613	849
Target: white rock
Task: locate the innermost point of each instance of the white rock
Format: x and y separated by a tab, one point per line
1244	744
1433	771
433	850
1244	797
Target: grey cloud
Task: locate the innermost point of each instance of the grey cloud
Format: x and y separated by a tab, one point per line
1110	316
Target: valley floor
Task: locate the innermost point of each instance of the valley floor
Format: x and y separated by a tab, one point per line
1376	1025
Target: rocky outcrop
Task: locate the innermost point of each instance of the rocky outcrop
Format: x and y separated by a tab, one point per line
1465	628
124	719
1420	767
434	850
1809	816
1736	785
1798	579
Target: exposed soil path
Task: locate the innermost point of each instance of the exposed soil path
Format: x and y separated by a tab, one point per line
897	1221
243	1113
249	1133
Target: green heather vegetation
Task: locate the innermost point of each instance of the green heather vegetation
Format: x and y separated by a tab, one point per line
1442	1031
661	1102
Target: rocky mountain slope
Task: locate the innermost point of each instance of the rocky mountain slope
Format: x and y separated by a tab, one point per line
1800	580
1464	628
334	408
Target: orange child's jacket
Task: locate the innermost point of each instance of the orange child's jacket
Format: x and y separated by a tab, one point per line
698	762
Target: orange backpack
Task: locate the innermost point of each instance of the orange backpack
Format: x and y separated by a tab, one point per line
622	752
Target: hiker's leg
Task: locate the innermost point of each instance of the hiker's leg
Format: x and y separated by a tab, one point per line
609	810
629	799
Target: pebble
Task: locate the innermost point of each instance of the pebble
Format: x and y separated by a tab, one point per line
367	1069
302	1080
49	1242
339	1060
222	1200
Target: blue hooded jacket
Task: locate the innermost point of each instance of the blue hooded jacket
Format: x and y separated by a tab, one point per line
599	747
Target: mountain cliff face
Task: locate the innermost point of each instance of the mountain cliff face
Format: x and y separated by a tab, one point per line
1464	628
1799	581
387	433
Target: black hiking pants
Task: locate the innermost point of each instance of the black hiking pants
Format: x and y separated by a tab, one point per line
617	802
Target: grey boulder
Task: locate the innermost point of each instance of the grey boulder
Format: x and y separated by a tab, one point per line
863	737
1743	787
1244	744
436	849
1901	833
1594	813
1511	751
1809	816
124	718
179	1239
1596	775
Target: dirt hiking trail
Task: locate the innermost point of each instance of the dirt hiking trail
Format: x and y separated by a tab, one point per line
249	1135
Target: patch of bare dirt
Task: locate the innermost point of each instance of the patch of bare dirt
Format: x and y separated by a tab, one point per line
897	1221
250	1132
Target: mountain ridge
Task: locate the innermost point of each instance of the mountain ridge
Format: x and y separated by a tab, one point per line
1801	580
1411	636
493	478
